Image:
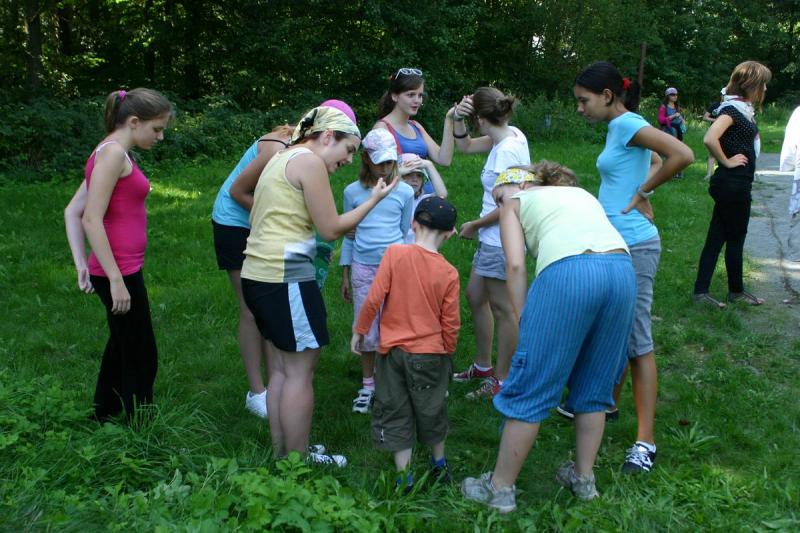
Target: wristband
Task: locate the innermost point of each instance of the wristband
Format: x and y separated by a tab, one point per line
643	194
457	136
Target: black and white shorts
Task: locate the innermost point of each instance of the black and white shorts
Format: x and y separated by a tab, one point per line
291	315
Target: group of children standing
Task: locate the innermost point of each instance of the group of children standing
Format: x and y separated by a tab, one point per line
584	320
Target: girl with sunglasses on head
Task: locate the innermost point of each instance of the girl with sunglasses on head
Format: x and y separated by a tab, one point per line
489	110
630	170
397	107
293	196
734	141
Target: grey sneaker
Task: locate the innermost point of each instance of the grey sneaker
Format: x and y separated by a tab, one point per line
638	459
582	487
481	490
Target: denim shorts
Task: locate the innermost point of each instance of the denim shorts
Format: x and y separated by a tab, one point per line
489	261
645	256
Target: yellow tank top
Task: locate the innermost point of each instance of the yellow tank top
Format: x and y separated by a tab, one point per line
281	246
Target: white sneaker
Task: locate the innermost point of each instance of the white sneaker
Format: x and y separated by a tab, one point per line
327	459
257	404
363	402
316	448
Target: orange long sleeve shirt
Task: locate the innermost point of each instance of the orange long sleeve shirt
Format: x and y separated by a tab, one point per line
419	291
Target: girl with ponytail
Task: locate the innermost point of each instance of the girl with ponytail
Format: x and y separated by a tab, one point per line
489	111
630	171
109	209
397	108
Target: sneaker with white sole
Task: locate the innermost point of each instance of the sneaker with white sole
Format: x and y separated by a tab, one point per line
481	490
639	459
472	373
256	404
363	402
316	448
488	389
582	487
327	459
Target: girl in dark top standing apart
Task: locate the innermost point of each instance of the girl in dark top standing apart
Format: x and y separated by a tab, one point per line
733	140
398	106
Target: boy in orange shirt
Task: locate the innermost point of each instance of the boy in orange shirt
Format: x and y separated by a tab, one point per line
419	291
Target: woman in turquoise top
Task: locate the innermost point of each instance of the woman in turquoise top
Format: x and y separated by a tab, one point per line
231	225
630	171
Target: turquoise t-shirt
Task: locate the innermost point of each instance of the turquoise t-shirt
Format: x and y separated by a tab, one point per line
226	210
622	169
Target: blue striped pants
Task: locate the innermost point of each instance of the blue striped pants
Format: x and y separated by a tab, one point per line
574	332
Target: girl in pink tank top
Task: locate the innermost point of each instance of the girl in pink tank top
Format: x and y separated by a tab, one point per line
109	210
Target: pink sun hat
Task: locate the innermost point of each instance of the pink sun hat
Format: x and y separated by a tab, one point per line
341	106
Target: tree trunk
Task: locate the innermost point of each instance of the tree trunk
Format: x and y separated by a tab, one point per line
64	18
33	30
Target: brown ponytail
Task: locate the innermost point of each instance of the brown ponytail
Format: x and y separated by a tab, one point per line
146	104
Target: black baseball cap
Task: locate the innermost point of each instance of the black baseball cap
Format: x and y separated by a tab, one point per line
436	213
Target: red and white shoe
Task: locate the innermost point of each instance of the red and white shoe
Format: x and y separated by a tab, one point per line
472	373
487	390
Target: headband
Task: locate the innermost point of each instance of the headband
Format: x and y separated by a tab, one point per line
322	119
516	176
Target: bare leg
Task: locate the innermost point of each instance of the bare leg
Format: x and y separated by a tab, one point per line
517	440
402	459
478	298
251	344
277	377
588	436
437	451
367	364
293	398
507	326
619	386
645	392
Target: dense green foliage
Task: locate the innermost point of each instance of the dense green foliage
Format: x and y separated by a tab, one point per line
265	53
726	423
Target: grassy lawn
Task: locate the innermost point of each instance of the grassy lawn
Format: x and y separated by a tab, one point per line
727	420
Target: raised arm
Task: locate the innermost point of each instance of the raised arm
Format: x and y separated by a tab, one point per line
245	183
309	172
109	166
465	143
436	179
441	155
76	237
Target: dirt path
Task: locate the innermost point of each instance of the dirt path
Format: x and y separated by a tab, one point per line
774	278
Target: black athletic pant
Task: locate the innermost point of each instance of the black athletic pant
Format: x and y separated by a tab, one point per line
130	360
728	227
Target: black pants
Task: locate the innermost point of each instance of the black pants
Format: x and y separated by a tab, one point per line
130	360
728	227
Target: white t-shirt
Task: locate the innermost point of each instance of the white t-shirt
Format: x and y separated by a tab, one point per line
510	152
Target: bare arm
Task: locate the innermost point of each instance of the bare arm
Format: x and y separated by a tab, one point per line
711	140
468	145
678	156
309	172
109	166
245	183
469	229
76	237
441	155
513	241
436	179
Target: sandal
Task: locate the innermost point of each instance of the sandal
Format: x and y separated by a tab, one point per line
745	297
706	299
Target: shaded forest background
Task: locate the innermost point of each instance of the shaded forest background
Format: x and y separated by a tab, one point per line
263	61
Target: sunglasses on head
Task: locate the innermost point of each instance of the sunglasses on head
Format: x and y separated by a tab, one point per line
407	72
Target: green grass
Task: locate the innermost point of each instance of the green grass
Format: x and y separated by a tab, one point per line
727	421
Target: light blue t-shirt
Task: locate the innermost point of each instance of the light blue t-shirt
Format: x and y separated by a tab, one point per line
226	210
386	224
622	169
